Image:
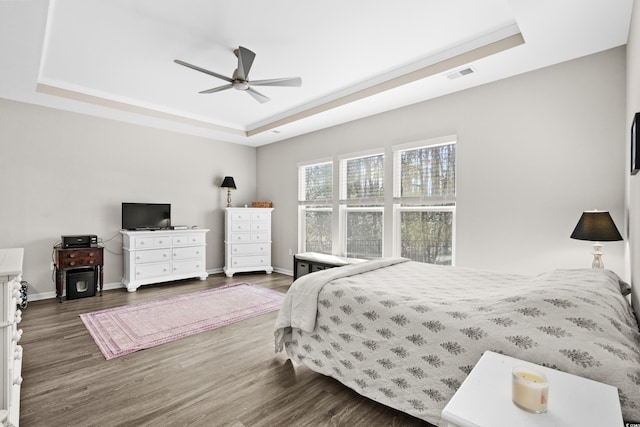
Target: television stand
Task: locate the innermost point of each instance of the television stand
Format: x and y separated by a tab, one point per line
156	256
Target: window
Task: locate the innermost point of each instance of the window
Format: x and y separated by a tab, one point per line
315	198
362	205
425	201
423	206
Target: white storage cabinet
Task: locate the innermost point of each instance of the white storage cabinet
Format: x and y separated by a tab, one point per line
247	240
11	351
163	255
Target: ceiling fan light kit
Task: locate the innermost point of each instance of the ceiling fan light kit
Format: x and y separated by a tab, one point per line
240	79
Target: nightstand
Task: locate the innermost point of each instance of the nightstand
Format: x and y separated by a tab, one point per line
484	399
76	258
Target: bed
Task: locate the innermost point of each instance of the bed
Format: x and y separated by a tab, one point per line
406	334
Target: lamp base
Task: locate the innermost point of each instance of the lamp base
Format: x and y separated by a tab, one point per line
597	256
228	197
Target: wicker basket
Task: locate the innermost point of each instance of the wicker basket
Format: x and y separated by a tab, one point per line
261	205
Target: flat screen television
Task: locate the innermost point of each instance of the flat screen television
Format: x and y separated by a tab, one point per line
146	216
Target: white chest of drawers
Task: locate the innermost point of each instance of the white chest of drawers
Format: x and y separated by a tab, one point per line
11	351
162	256
247	240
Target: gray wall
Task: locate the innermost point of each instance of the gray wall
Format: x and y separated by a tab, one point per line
67	173
534	151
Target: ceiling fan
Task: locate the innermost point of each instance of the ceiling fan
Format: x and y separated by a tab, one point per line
240	79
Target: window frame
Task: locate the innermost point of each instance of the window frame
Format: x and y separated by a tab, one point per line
345	206
312	205
420	204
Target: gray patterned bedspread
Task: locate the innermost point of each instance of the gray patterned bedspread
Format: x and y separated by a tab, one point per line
407	334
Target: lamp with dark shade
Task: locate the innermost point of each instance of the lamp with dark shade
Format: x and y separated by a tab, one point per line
596	226
229	184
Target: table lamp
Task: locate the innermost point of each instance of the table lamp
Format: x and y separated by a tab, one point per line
229	184
596	226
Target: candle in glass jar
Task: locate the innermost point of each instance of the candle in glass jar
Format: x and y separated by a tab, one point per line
530	390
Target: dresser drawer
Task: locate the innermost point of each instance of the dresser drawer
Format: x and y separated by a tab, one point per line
260	217
152	270
188	252
196	239
241	226
192	266
152	242
250	249
249	261
259	226
240	237
188	240
156	255
260	237
79	257
240	216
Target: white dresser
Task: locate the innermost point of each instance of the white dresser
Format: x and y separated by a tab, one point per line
247	240
162	256
10	277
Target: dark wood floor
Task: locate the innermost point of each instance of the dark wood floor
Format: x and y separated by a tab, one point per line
226	377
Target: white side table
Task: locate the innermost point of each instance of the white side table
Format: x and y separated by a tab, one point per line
484	399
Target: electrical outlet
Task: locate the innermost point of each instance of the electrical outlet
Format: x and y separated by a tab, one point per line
290	251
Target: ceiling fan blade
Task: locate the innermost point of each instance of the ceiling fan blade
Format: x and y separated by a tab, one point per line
245	61
257	95
289	81
217	89
202	70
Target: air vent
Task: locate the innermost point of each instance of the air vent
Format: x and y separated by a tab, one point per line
460	73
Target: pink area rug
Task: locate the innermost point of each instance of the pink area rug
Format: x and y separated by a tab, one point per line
123	330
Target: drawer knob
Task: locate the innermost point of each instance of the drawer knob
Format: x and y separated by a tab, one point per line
138	257
72	263
91	261
164	255
90	253
160	241
72	255
141	243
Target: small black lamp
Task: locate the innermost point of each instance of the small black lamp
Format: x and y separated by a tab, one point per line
596	226
228	183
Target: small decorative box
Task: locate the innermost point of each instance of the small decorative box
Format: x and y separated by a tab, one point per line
261	205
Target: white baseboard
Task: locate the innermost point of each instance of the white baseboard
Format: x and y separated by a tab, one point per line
106	287
283	271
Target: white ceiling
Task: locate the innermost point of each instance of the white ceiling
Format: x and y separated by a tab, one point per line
115	58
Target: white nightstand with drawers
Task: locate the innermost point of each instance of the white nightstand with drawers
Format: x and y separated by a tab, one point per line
247	240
